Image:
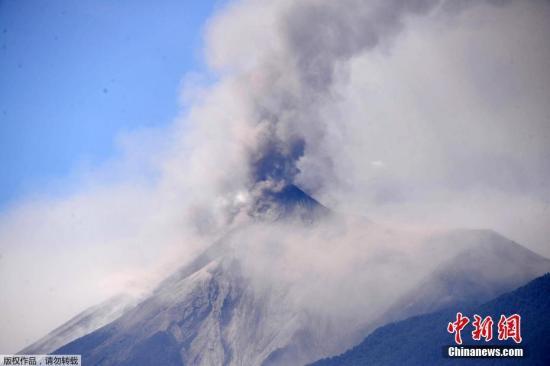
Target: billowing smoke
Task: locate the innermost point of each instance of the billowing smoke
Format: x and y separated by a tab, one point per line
293	81
316	38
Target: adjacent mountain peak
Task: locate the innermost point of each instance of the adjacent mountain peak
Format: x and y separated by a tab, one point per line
419	340
484	265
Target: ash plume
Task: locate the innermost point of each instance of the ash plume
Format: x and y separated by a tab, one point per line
293	81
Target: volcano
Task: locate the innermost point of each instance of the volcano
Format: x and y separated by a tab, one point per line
210	313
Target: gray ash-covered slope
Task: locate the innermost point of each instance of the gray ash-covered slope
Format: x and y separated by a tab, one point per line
82	324
190	319
207	313
420	340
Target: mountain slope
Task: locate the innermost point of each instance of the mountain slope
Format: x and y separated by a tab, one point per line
420	340
479	266
211	312
484	266
207	313
82	324
211	317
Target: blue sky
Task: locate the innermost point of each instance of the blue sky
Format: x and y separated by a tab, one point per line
76	74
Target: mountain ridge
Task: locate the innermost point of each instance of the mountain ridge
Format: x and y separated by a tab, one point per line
420	339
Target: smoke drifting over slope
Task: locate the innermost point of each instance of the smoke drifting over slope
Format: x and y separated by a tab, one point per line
428	113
